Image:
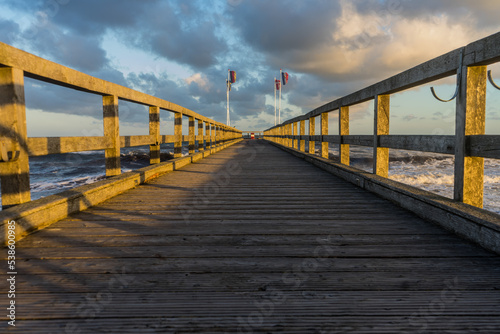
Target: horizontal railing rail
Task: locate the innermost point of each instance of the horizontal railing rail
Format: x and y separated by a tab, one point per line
469	145
16	147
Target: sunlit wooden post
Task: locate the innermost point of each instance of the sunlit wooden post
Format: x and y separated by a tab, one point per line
302	133
381	127
312	129
217	136
177	135
344	131
290	134
470	120
200	139
207	136
154	133
288	130
15	176
191	135
296	140
284	133
324	132
212	137
112	133
287	134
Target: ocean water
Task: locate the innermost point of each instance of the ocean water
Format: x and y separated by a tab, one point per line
429	171
55	173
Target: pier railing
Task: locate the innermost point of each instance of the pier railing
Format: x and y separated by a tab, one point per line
469	145
16	147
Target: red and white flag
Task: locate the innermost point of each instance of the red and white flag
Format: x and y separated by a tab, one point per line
284	76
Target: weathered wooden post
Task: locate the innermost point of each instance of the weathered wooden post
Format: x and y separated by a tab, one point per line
296	134
324	132
207	136
344	131
212	137
112	133
154	133
312	129
381	127
470	120
15	176
302	133
200	139
289	132
191	135
217	136
177	135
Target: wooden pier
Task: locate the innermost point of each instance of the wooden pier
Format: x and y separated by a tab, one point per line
251	236
252	240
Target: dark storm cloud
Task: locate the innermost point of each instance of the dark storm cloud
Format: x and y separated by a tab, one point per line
8	31
284	25
182	34
91	17
83	53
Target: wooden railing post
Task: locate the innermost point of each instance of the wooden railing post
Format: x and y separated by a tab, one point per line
470	120
324	132
217	136
212	134
178	135
15	175
381	127
112	132
344	131
296	133
288	132
302	145
191	135
207	136
201	141
154	132
312	129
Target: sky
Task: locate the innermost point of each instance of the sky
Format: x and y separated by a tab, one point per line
180	51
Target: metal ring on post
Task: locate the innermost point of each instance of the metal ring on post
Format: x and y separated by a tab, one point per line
6	155
490	78
459	79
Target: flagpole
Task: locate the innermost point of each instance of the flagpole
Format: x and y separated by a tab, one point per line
227	90
274	86
279	114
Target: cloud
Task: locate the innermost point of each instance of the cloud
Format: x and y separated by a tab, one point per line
330	47
8	31
409	118
183	33
199	81
80	52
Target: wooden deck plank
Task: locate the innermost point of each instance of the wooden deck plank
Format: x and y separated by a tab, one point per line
272	244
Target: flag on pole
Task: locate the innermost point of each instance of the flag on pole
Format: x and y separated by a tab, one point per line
284	76
278	84
232	75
